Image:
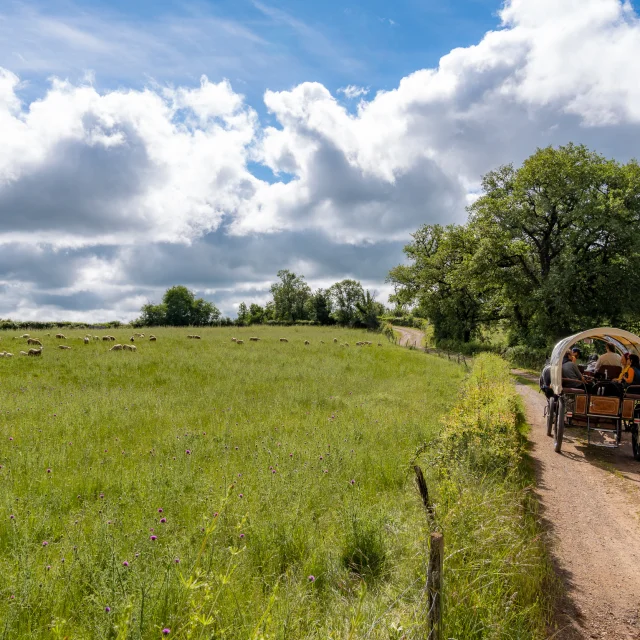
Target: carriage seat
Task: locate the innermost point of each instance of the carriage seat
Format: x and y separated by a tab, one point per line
612	371
632	392
574	385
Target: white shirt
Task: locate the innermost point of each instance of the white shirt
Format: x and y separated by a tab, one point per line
608	359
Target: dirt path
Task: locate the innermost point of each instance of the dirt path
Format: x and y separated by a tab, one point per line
590	501
590	505
409	337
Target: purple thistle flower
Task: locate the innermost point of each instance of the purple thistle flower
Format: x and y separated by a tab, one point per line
160	510
166	631
353	481
107	609
177	560
12	517
188	452
48	567
10	439
44	543
163	520
48	470
125	564
215	515
311	578
137	555
153	537
242	535
241	495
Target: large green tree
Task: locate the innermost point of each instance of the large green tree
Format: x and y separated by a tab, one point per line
345	296
289	297
179	308
550	247
560	237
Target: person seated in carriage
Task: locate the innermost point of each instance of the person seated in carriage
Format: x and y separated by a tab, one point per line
571	372
608	358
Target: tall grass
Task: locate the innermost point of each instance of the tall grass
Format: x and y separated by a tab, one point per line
221	490
498	579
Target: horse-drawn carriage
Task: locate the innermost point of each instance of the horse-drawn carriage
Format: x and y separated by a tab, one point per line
599	404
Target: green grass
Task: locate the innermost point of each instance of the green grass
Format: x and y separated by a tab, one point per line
271	463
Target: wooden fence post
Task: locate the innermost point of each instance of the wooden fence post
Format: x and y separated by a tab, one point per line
434	586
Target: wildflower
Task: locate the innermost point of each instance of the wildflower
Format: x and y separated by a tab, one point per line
215	515
44	543
311	578
241	495
353	482
188	452
48	567
163	520
273	470
107	609
10	439
242	535
160	510
166	631
125	564
137	555
13	597
176	560
291	455
12	517
153	537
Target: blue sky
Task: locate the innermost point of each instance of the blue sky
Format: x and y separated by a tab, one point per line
274	44
122	172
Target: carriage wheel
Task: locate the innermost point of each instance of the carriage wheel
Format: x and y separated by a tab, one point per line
559	427
551	416
634	442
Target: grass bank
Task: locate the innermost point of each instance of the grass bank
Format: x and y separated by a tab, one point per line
215	490
498	579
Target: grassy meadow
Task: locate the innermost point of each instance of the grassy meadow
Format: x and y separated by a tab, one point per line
205	489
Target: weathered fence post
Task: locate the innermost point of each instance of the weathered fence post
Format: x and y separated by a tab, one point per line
434	586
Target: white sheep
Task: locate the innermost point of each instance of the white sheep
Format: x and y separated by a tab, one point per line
8	355
34	341
132	339
24	335
63	346
254	339
152	338
35	352
335	340
106	338
129	347
86	340
234	339
307	343
116	347
283	340
60	336
24	353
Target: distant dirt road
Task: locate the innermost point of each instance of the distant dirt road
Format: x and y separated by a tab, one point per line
409	337
590	506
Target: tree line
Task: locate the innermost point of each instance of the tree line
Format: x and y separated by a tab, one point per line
549	249
346	303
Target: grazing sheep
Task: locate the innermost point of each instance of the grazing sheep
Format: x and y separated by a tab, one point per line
24	353
346	344
106	338
197	338
60	336
86	340
34	341
8	355
335	340
63	346
129	347
321	341
116	347
233	339
96	337
152	338
283	340
307	342
132	339
254	339
35	352
239	341
379	344
25	335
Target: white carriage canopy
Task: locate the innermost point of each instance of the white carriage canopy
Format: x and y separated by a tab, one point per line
621	339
